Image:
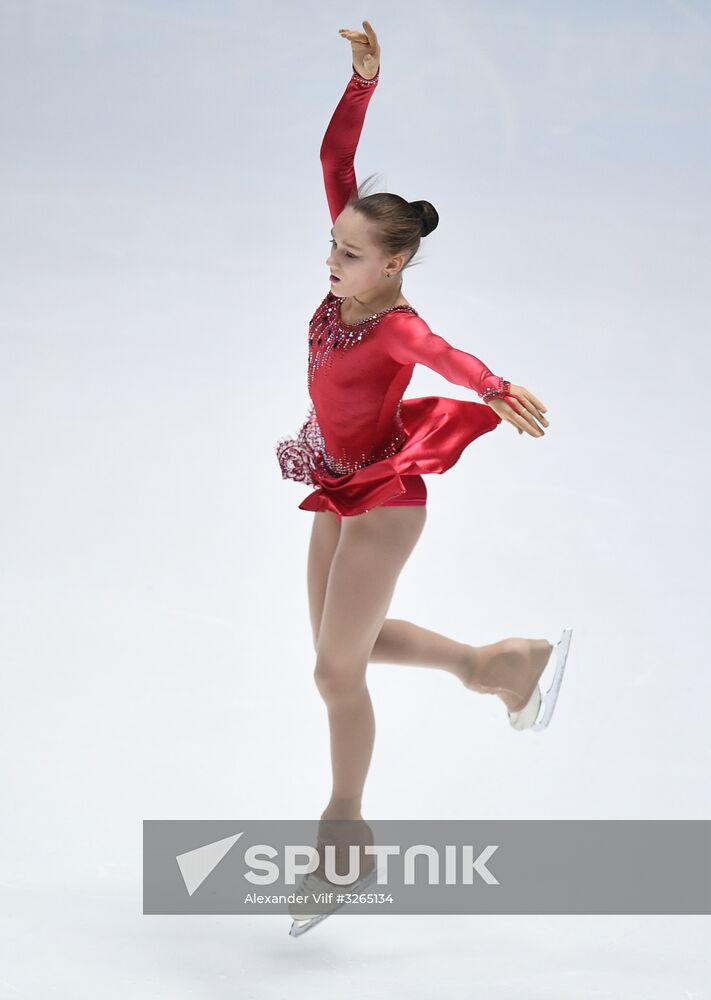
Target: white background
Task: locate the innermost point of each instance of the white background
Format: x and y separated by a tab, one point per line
163	239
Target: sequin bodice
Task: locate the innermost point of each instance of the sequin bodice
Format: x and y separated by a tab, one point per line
327	332
359	424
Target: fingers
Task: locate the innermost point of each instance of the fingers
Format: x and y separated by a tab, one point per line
531	403
522	425
536	402
535	414
511	417
530	425
524	419
369	38
353	38
372	37
538	409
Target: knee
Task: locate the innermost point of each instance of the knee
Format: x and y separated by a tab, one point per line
336	680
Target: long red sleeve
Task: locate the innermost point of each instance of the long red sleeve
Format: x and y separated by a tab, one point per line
409	340
340	142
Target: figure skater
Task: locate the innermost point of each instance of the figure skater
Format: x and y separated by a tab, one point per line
366	449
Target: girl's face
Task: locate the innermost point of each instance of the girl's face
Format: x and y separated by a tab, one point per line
359	265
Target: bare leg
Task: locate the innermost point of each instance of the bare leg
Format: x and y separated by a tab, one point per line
371	551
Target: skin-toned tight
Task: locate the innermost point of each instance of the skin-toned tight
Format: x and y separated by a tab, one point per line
353	567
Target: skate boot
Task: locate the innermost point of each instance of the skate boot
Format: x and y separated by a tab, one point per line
322	893
530	716
512	668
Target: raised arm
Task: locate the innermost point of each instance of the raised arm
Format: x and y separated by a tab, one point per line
340	142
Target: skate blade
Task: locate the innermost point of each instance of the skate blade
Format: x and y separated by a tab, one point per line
299	927
550	698
530	716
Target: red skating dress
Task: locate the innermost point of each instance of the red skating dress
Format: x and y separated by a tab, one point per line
362	445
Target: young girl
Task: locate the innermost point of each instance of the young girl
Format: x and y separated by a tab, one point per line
366	448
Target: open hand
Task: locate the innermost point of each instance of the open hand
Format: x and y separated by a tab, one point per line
532	410
365	49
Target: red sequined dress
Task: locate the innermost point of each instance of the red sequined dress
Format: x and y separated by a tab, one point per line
360	436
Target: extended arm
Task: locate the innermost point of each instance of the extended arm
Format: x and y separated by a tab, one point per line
410	341
340	142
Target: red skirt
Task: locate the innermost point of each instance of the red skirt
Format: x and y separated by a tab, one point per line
415	494
437	431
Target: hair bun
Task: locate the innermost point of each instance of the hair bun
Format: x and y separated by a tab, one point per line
428	215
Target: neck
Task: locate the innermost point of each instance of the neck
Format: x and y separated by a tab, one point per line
374	303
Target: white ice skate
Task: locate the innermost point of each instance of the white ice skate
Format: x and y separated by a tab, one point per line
530	716
302	922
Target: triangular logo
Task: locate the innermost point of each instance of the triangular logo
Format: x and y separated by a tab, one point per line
196	865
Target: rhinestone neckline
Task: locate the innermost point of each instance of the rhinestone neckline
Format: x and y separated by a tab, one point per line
327	334
368	319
